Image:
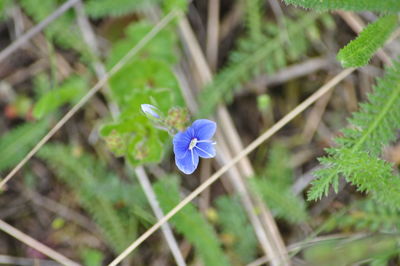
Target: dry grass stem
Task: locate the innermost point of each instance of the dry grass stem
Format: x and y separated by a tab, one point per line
24	238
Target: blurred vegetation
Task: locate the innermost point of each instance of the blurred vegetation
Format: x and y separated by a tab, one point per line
87	165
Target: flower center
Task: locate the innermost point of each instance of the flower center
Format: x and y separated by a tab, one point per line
192	144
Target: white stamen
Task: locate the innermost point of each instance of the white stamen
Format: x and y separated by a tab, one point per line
192	144
207	141
192	157
204	151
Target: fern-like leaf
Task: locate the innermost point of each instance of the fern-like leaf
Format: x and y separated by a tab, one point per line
356	156
62	31
100	192
190	223
256	55
359	51
235	224
274	186
15	144
254	18
366	215
350	5
104	8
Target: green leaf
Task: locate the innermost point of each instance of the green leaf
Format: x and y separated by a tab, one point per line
69	92
350	5
15	144
100	192
104	8
190	223
356	156
266	53
274	186
359	51
63	31
234	222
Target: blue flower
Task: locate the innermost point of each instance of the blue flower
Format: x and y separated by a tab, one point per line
193	143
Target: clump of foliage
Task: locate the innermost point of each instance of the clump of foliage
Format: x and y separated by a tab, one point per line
274	186
241	240
190	223
365	5
265	49
148	78
108	199
356	156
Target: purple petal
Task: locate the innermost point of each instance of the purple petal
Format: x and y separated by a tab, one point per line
188	163
181	143
204	128
205	150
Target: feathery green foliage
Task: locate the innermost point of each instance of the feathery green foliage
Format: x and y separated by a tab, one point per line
350	5
367	215
254	18
356	156
274	186
234	223
69	92
104	8
190	223
63	31
148	78
15	144
268	53
117	207
375	249
359	51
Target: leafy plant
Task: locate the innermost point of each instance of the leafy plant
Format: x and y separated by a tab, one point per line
274	186
359	51
235	226
62	31
69	92
148	78
356	156
15	144
190	223
366	215
375	249
269	52
100	192
350	5
105	8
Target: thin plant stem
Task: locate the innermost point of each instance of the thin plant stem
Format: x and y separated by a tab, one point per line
166	229
157	28
266	135
12	231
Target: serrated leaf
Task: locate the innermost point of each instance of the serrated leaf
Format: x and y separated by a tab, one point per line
15	144
350	5
356	156
359	51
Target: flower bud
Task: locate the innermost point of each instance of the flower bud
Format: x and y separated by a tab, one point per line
150	111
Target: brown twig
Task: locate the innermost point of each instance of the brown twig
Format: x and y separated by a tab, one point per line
12	231
35	30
